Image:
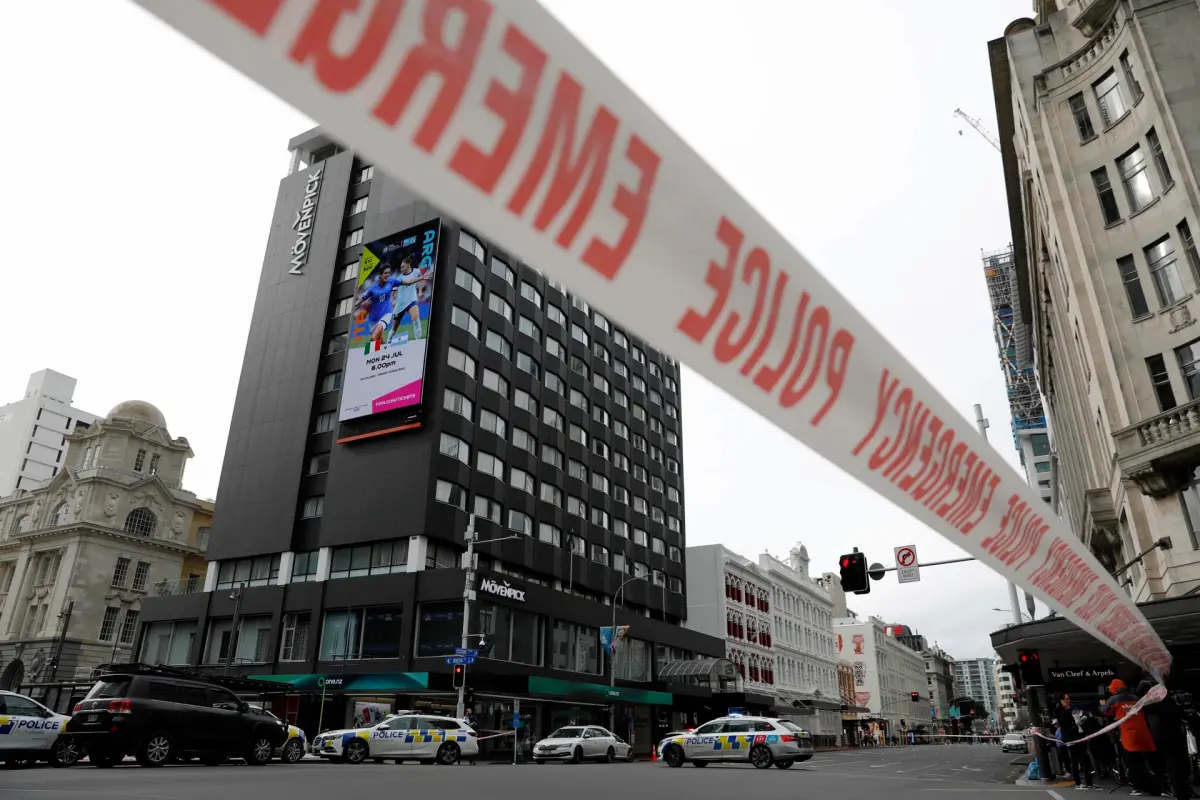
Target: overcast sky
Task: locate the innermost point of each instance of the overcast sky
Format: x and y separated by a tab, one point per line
141	174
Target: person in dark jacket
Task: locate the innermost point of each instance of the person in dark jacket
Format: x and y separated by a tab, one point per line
1099	747
1135	738
1077	755
1165	720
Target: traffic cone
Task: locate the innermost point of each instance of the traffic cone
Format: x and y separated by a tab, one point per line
654	753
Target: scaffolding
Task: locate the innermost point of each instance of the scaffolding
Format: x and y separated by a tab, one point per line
1024	400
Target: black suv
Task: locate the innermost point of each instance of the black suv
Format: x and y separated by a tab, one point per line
157	715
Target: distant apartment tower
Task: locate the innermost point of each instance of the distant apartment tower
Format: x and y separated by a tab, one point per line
34	431
975	678
1030	435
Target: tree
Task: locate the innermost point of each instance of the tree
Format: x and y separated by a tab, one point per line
966	705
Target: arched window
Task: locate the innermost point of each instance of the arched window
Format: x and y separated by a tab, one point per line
62	514
141	522
22	524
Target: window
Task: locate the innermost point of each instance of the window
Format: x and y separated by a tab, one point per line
639	473
154	458
1189	246
139	460
619	369
552	418
1161	382
486	508
658	546
469	282
618	562
1188	357
638	384
554	383
576	506
1083	120
580	335
361	633
318	463
675	585
313	507
462	319
459	404
1135	88
580	303
366	173
620	429
639	537
349	272
621	528
620	494
640	505
488	464
600	554
637	355
493	381
304	566
620	461
599	482
599	447
497	343
128	627
639	442
120	572
620	399
555	314
1160	258
380	558
527	364
554	348
551	494
502	271
520	479
619	339
1110	98
353	237
1133	287
672	466
460	361
528	327
331	382
520	522
293	640
578	434
577	399
600	518
656	425
258	571
577	470
639	412
673	524
469	243
579	366
168	643
600	352
499	305
335	344
675	554
640	569
673	494
549	534
141	522
455	448
656	455
1108	199
672	411
342	307
531	294
1132	166
359	206
600	382
524	440
139	576
1160	158
108	626
494	423
451	494
552	456
575	648
655	398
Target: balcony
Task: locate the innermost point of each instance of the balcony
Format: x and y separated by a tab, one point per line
1159	454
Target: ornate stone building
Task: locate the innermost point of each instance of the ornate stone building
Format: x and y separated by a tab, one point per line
79	552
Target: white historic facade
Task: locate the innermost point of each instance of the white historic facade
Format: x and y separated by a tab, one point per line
886	672
79	552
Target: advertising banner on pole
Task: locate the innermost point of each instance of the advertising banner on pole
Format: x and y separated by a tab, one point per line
496	114
389	325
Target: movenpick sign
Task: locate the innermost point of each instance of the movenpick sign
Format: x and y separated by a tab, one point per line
495	113
302	225
502	589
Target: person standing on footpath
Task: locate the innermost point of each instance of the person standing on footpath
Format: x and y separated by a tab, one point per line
1165	720
1077	756
1135	739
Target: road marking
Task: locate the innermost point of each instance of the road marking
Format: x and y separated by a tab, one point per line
889	764
1055	794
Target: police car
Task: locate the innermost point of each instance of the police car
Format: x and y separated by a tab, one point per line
29	732
427	738
763	741
292	750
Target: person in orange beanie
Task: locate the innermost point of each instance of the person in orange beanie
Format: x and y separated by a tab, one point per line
1135	738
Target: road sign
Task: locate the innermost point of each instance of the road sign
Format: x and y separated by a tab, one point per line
907	568
465	651
876	571
456	661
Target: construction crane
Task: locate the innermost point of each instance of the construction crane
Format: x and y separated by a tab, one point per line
978	126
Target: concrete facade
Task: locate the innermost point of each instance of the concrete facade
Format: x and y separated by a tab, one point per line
939	681
886	672
1006	704
1100	132
34	431
80	553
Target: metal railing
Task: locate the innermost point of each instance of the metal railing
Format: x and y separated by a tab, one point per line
180	587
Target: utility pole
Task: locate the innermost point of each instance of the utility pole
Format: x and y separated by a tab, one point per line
468	590
62	641
612	661
1013	603
236	597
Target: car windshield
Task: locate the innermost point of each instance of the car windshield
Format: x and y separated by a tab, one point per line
110	686
566	733
791	726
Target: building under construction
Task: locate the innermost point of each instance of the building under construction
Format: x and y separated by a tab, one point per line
1012	340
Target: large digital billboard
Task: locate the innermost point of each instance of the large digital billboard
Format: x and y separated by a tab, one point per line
389	325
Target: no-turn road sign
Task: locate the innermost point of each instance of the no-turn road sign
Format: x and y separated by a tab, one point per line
907	568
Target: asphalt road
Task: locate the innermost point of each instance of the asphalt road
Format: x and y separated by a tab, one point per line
930	772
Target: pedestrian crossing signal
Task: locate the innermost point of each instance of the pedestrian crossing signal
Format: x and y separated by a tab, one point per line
916	696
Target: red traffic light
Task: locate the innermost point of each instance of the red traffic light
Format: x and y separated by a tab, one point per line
846	562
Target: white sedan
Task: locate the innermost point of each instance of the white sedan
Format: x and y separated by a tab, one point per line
576	743
411	737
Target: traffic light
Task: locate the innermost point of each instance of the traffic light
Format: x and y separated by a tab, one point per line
854	573
916	696
460	676
1030	667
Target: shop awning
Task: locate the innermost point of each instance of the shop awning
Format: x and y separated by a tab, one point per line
341	682
700	667
559	688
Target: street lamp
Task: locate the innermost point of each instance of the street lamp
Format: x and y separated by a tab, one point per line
236	597
468	563
1008	610
612	666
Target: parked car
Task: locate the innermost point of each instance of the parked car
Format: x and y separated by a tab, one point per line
427	738
669	736
1014	742
763	741
158	714
293	750
30	732
576	743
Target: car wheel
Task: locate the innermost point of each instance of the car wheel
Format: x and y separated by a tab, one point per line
448	754
155	750
355	752
610	756
293	752
261	750
577	756
64	754
673	755
761	757
784	764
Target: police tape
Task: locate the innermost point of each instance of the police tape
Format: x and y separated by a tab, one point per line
497	114
1155	695
494	736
